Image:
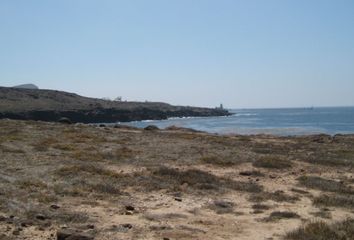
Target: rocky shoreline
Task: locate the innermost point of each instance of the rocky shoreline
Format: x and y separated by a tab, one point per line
109	115
49	105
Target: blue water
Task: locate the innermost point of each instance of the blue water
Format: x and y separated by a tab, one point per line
270	121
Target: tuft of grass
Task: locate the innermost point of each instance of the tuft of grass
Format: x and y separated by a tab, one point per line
124	153
222	207
202	180
277	196
218	160
7	149
88	156
338	200
44	144
260	206
320	230
74	170
336	158
31	184
274	162
106	187
277	215
323	213
64	147
323	184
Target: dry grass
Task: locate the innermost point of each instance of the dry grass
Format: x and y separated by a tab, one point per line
320	230
323	213
221	161
80	170
273	162
337	200
277	215
260	207
7	149
222	207
323	184
341	157
300	191
202	180
277	196
31	184
64	147
44	144
83	167
87	156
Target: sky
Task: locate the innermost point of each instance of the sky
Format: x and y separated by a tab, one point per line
244	54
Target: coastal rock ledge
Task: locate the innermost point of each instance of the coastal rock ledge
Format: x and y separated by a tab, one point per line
51	105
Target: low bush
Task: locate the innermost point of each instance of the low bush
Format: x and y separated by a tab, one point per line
320	230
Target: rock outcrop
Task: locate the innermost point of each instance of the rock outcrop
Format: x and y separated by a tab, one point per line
50	105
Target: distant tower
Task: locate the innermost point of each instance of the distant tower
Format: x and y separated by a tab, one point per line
221	106
118	99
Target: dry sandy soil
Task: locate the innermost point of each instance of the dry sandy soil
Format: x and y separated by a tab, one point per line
125	183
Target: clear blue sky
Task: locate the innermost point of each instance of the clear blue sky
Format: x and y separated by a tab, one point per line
249	53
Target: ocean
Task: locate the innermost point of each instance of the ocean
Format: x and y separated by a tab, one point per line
282	122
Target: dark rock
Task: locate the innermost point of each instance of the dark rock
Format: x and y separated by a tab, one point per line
165	238
127	225
102	125
26	224
129	208
2	219
69	234
55	207
41	217
16	232
246	173
90	226
178	199
65	120
151	128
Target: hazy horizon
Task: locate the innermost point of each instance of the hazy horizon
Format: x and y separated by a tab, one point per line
243	54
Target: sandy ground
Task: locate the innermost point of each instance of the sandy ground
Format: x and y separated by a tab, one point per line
121	183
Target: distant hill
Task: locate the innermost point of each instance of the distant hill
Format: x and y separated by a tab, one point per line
50	105
27	86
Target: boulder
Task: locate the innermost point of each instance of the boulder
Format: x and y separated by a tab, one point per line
151	128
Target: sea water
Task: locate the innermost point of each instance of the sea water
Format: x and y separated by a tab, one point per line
292	121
